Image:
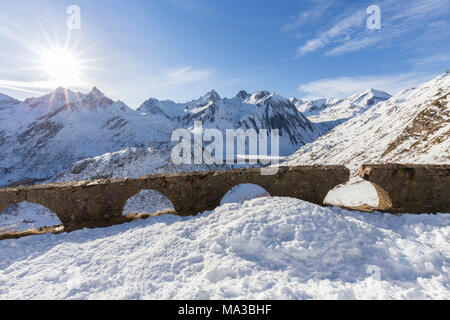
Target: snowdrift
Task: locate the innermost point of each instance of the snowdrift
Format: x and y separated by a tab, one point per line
265	248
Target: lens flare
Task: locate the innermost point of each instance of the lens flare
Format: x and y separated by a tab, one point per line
61	66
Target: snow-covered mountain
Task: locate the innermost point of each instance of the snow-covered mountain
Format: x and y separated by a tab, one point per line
72	136
68	135
411	127
334	111
132	162
260	110
42	136
6	101
63	97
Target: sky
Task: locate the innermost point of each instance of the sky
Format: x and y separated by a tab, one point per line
179	50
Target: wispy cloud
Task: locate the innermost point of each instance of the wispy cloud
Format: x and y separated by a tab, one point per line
416	9
341	29
307	16
186	75
355	45
400	20
346	86
437	58
36	87
21	89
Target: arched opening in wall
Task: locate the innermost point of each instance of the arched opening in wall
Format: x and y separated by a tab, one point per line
148	202
25	216
356	193
243	192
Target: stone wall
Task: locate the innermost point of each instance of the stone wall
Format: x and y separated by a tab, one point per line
100	203
410	188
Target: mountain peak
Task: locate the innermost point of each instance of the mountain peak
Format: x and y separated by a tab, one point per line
6	98
378	93
96	99
55	99
261	94
60	91
258	95
211	96
149	101
95	91
243	95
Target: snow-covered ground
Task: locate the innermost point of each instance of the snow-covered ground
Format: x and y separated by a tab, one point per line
265	248
26	215
244	192
356	192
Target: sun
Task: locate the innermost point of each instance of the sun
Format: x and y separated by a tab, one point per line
61	66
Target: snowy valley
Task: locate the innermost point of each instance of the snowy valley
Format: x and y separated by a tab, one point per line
263	248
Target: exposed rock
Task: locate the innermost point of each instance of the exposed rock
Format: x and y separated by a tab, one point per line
410	188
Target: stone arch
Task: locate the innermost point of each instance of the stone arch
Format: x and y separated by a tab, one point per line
147	201
25	215
389	180
384	200
242	192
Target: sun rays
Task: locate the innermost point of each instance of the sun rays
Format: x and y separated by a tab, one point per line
51	63
61	66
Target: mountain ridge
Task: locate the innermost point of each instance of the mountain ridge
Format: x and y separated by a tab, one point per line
51	134
55	131
413	126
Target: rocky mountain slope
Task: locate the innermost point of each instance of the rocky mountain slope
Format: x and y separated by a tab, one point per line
334	111
67	135
411	127
260	110
43	138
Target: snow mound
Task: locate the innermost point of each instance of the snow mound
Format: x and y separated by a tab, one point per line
266	248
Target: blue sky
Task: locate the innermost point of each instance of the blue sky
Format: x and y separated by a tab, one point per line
180	49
